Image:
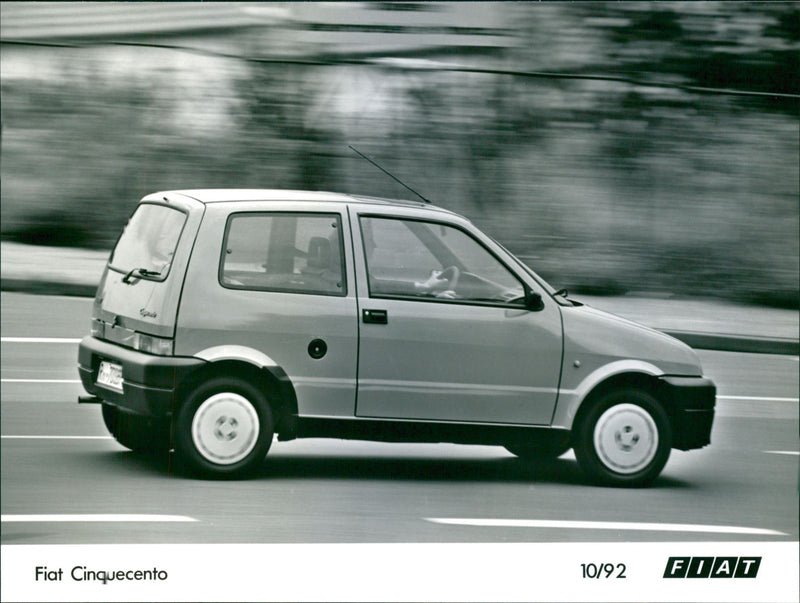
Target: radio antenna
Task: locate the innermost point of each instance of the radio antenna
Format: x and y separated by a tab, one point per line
388	174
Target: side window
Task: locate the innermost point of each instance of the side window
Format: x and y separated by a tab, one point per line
411	258
296	253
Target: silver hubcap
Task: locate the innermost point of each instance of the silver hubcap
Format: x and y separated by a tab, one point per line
626	438
225	428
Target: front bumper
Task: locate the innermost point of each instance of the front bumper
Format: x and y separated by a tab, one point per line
149	381
690	405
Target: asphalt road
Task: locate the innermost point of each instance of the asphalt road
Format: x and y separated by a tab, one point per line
65	481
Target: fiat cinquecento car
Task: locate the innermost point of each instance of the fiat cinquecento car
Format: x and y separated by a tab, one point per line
226	317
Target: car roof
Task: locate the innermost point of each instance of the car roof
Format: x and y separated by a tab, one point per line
220	195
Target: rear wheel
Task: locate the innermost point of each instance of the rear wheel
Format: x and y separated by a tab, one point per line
624	439
224	429
137	432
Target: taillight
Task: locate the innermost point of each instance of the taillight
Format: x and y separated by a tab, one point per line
153	345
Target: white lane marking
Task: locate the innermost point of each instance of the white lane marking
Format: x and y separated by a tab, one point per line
601	525
757	399
38	340
40	380
789	452
95	518
54	437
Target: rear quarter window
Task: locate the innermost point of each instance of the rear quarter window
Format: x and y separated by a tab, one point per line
149	240
284	252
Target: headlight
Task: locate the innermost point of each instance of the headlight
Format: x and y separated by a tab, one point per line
153	345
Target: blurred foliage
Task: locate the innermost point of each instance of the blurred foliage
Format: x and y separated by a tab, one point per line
600	186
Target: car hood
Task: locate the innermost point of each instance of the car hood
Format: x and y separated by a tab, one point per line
597	337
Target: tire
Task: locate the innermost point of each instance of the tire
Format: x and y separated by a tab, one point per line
224	429
137	432
624	439
544	451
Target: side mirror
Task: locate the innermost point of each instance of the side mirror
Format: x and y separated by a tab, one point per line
533	301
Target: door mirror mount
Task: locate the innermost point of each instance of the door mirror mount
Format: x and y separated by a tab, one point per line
533	301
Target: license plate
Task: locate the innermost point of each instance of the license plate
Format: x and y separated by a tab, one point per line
110	375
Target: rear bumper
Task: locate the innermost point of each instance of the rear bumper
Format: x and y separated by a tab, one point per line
149	382
691	408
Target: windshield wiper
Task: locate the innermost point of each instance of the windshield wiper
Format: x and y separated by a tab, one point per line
139	273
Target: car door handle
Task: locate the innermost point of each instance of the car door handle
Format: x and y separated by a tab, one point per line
376	317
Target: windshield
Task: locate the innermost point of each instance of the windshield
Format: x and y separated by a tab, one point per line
149	240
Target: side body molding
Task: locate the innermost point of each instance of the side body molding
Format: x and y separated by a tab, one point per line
570	400
236	352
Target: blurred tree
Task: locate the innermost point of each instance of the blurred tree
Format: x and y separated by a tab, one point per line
605	186
278	100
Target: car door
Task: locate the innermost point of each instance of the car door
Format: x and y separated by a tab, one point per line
444	332
272	285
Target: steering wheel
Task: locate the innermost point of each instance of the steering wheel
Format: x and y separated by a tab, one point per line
451	273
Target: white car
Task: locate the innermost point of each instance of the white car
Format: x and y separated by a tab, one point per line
225	317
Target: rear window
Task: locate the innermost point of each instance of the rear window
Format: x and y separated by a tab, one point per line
149	240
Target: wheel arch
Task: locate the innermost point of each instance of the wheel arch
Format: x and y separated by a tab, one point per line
642	381
618	375
270	379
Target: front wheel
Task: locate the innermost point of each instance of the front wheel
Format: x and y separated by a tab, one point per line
624	439
224	429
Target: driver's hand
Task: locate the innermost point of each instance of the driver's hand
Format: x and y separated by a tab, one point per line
448	294
433	283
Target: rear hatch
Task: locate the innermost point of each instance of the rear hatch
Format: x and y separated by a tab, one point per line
137	300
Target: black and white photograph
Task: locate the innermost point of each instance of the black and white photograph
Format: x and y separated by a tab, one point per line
400	301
